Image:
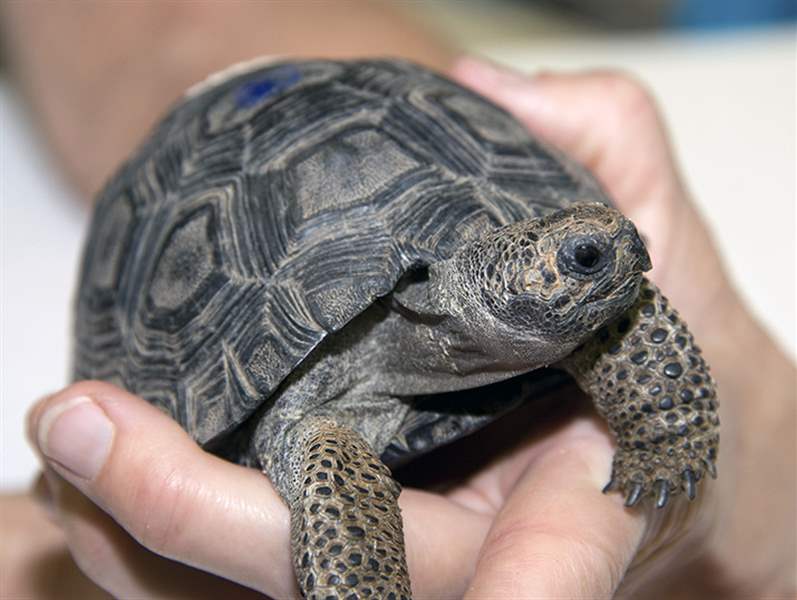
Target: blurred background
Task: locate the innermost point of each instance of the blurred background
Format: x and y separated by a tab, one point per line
724	73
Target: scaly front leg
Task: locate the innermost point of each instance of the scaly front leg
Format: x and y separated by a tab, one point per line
651	384
346	531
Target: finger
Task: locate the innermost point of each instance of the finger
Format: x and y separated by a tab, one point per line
443	539
113	560
556	535
138	466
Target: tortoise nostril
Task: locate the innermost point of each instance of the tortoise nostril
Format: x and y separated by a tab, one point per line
587	255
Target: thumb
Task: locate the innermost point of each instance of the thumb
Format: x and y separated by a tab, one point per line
173	498
556	535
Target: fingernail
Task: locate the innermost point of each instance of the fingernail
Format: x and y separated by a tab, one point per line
76	435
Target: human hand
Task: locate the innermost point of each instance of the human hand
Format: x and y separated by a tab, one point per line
147	513
530	523
739	540
140	505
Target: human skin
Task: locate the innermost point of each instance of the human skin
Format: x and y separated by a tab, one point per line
531	522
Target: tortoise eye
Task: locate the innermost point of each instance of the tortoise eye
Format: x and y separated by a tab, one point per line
583	256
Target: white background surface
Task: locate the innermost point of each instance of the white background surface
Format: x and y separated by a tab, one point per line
730	101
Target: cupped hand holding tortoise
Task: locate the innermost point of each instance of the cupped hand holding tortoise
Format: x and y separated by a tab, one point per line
511	500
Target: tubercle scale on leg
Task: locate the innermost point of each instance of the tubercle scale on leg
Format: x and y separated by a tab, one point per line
650	382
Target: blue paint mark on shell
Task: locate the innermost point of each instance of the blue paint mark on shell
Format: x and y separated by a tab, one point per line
277	80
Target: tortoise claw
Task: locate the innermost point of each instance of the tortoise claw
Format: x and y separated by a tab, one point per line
609	486
634	495
710	467
689	483
662	492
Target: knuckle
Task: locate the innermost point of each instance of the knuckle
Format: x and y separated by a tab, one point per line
505	541
519	541
162	501
626	94
573	560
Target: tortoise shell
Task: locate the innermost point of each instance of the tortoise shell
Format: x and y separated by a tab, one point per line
268	210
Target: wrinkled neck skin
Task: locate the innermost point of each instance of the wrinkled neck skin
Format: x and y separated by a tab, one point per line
500	344
444	333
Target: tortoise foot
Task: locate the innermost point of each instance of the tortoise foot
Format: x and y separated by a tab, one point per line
651	383
638	474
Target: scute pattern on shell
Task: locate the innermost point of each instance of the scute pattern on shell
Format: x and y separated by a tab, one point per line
268	211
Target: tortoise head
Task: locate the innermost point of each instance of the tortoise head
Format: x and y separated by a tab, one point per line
536	289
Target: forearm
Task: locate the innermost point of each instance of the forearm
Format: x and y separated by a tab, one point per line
100	74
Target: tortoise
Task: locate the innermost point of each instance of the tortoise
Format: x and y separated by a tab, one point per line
304	255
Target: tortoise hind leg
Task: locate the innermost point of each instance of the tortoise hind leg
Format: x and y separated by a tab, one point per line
346	532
